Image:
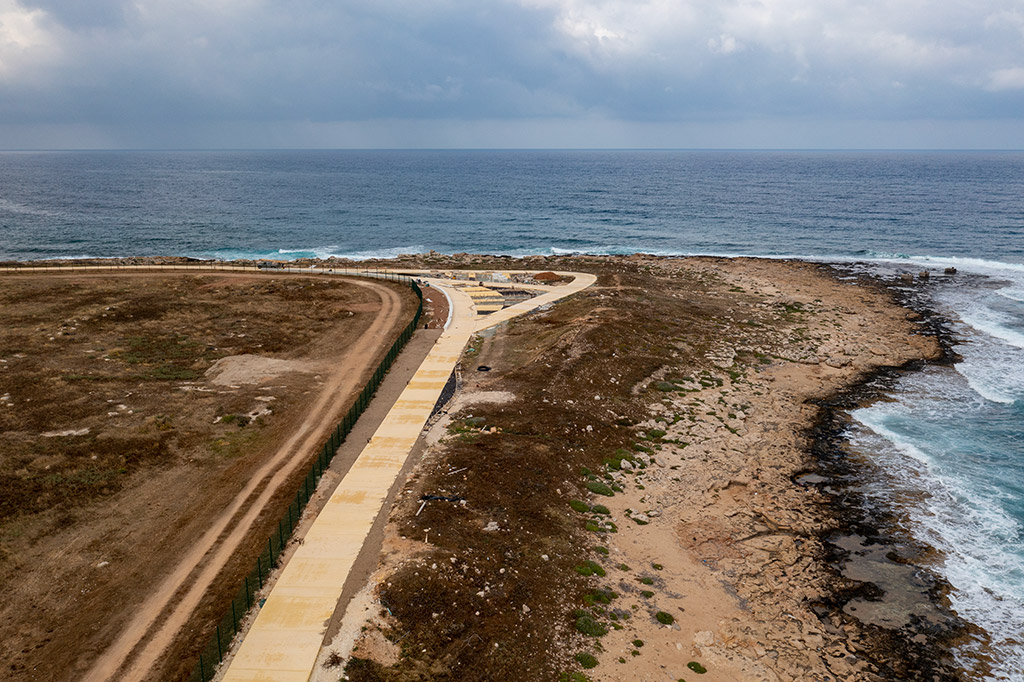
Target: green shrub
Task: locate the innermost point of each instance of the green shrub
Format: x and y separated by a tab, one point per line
647	594
573	677
599	597
600	509
599	488
696	667
586	660
601	550
581	507
664	618
588	626
638	643
589	568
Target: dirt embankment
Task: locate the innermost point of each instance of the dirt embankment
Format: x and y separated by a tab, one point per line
630	509
136	410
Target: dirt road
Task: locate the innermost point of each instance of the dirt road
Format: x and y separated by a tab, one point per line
146	637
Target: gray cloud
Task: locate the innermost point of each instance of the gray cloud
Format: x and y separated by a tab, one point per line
153	66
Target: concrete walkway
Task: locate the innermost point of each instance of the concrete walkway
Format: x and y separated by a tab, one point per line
285	639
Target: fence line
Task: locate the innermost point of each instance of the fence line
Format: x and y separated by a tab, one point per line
229	625
246	597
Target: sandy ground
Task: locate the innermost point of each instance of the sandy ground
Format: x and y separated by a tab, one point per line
706	559
729	540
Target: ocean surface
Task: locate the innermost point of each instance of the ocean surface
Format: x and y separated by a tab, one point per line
951	441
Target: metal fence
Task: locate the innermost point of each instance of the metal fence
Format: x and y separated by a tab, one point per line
248	592
247	596
225	631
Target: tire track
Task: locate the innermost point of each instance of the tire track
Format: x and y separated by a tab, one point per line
152	629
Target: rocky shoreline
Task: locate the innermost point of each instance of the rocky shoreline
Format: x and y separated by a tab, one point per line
709	396
902	604
904	619
718	546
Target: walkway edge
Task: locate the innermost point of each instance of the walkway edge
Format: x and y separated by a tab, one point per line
285	639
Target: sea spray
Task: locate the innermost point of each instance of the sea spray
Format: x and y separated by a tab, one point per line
950	445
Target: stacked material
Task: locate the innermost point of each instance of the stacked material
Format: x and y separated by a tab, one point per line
485	300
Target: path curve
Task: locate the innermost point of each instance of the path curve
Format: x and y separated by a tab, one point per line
199	567
285	639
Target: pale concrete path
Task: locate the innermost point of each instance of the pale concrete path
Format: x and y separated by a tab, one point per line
283	643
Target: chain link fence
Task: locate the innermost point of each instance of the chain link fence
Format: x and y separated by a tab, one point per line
246	598
248	593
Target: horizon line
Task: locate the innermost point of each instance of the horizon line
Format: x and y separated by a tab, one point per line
512	149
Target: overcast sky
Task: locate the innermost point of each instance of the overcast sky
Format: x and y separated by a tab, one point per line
512	73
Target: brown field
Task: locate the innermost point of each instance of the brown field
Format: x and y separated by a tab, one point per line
138	412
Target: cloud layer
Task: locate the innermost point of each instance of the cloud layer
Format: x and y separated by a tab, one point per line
142	69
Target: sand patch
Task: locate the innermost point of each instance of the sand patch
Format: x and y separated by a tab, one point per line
439	428
236	370
485	397
66	432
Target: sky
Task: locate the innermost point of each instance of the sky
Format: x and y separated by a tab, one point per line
192	74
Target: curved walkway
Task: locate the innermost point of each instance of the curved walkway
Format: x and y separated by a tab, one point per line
285	638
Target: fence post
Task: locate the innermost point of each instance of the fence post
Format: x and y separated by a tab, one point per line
259	570
234	618
202	670
220	652
248	601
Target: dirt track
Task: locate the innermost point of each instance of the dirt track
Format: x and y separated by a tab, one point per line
157	619
240	514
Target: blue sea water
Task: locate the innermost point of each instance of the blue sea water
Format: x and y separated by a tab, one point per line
951	442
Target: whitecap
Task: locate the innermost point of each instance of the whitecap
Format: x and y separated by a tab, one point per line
1012	293
923	442
994	324
392	252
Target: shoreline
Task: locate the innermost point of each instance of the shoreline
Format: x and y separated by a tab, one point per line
873	536
868	539
824	454
735	647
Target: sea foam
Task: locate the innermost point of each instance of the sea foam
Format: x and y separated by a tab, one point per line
971	507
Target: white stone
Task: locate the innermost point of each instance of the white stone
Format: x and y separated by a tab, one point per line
704	638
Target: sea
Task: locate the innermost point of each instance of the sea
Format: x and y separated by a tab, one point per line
949	439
